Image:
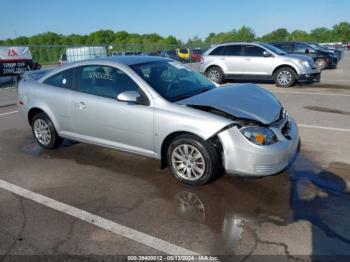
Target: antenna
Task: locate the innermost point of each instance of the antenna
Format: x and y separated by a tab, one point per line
15	32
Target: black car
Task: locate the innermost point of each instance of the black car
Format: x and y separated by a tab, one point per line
336	51
323	58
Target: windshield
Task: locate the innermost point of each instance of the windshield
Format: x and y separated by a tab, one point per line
273	49
173	80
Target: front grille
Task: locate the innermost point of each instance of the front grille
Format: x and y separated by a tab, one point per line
270	169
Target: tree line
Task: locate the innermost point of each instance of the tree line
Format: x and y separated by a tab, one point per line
46	47
338	33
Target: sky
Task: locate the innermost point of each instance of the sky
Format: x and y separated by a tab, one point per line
181	18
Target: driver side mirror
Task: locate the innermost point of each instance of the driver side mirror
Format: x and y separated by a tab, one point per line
307	51
132	97
267	54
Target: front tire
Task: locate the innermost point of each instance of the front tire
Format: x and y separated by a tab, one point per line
45	132
321	63
192	160
215	74
285	77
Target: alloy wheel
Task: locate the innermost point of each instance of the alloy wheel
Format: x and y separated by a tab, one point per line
188	162
320	64
284	77
214	75
42	132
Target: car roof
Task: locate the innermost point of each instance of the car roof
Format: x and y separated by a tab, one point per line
122	60
133	60
238	43
125	60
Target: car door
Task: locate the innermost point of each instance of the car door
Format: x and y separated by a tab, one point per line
255	63
302	49
286	47
57	93
98	117
233	59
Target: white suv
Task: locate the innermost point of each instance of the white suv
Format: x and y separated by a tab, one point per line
258	61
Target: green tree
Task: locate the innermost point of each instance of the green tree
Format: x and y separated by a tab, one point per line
195	42
321	34
245	34
299	35
281	34
341	31
101	37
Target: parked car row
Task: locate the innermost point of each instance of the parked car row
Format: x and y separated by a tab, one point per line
180	54
323	57
261	61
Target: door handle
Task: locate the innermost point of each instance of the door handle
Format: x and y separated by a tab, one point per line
80	105
247	59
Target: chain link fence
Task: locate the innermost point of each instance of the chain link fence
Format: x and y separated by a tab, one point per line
53	55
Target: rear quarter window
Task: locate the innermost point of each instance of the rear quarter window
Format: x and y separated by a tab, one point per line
217	51
62	79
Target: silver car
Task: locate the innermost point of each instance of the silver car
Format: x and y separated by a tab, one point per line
258	61
160	108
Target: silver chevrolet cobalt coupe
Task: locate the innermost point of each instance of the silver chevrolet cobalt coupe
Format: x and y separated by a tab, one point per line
162	109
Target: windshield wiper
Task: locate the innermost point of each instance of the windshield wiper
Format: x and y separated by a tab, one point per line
182	97
189	95
203	91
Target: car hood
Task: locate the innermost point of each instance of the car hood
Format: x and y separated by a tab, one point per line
247	101
301	57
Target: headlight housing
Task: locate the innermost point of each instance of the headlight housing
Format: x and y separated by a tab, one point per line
305	63
261	136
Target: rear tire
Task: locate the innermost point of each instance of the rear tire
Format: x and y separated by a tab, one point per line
192	160
285	77
45	132
321	63
215	74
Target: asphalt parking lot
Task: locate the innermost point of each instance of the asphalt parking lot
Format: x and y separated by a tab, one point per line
86	200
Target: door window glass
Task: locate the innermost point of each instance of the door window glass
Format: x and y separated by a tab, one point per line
104	81
286	47
252	50
232	50
301	48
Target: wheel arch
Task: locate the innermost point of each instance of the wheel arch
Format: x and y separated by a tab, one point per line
214	141
285	65
33	112
214	65
39	109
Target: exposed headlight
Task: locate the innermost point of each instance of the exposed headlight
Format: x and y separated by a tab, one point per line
304	62
261	136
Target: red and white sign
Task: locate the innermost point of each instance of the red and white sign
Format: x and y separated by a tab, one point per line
13	53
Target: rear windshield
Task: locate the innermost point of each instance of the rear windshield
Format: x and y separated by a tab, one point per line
184	50
274	49
36	74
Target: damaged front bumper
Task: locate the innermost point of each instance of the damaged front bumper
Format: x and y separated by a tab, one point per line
242	157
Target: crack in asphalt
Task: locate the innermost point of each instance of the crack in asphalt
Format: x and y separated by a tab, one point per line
20	232
257	240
